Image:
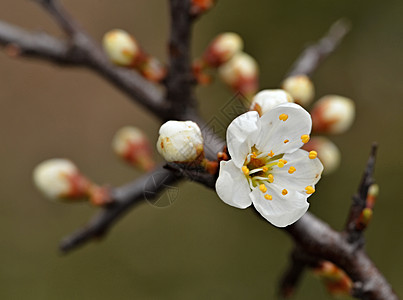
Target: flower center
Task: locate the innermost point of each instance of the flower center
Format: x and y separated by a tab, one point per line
258	169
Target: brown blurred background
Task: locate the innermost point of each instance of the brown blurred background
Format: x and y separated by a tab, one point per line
198	247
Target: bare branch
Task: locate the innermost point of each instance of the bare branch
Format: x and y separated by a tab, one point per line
313	55
180	81
354	233
125	197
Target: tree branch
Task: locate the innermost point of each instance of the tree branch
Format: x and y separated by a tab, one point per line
124	198
313	55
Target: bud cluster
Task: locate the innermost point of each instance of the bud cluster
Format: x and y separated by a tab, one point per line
337	282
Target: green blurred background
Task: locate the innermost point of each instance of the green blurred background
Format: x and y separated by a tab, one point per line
198	247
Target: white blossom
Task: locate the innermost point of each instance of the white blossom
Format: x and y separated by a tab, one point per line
267	168
180	141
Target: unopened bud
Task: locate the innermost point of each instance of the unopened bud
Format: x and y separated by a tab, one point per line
373	193
60	179
241	73
131	144
333	114
121	47
328	153
152	69
337	282
222	49
180	141
267	99
300	88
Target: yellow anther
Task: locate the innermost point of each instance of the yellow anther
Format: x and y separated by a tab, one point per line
286	141
270	178
313	154
291	170
263	188
284	192
283	117
305	138
309	190
268	197
245	170
271	154
280	164
265	169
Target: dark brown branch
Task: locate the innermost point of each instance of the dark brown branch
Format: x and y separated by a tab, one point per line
180	81
313	55
125	197
353	231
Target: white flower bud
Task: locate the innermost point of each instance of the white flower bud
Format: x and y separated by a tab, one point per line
328	153
333	114
267	99
180	141
53	177
121	47
131	144
300	88
223	48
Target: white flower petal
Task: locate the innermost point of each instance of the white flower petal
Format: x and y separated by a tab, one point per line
282	210
283	136
232	186
307	171
241	134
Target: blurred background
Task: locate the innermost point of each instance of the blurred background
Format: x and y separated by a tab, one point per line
198	247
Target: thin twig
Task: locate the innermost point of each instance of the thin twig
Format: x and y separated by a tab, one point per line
355	233
313	55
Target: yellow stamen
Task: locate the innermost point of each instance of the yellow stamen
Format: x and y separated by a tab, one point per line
271	154
254	154
270	178
284	192
313	154
286	141
283	117
305	138
263	188
291	170
309	190
280	164
265	169
245	170
268	197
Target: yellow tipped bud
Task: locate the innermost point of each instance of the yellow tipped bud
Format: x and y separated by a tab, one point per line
300	88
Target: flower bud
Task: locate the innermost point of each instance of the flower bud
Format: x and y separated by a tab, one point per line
300	88
335	279
241	74
328	153
373	193
121	47
131	144
152	69
267	99
180	141
60	179
222	49
333	114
